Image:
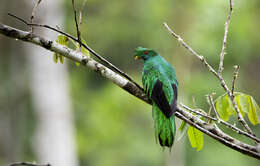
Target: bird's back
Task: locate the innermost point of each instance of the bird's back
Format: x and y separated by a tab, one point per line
156	68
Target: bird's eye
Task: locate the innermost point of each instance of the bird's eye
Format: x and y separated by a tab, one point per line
146	52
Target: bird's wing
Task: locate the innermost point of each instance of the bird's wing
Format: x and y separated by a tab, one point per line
160	99
171	75
157	91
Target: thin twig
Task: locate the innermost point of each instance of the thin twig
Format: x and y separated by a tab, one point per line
237	67
33	13
197	112
184	44
110	65
240	117
80	17
239	131
210	98
76	22
222	54
28	164
80	13
219	76
180	40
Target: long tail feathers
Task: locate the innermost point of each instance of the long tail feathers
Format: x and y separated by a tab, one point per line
164	127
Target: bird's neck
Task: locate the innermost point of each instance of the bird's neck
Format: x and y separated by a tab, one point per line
155	58
151	58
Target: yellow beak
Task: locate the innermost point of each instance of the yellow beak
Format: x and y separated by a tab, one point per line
136	57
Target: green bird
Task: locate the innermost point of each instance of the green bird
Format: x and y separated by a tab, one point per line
160	85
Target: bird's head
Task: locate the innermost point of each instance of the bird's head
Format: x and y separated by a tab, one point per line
144	53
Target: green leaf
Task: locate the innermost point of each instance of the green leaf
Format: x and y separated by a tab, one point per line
83	49
55	58
195	138
77	64
61	58
246	105
63	40
224	107
242	102
254	111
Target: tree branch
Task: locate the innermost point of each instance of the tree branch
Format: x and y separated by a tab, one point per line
197	112
80	14
28	164
75	56
210	98
235	75
222	54
76	22
103	60
219	76
129	87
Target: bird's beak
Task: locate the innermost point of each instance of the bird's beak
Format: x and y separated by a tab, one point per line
136	57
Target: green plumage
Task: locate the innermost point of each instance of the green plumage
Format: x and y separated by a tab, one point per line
160	84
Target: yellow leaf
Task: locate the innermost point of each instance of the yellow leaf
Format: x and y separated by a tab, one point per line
254	111
196	138
55	58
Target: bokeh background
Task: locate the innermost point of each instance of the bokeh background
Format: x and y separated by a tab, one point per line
68	115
